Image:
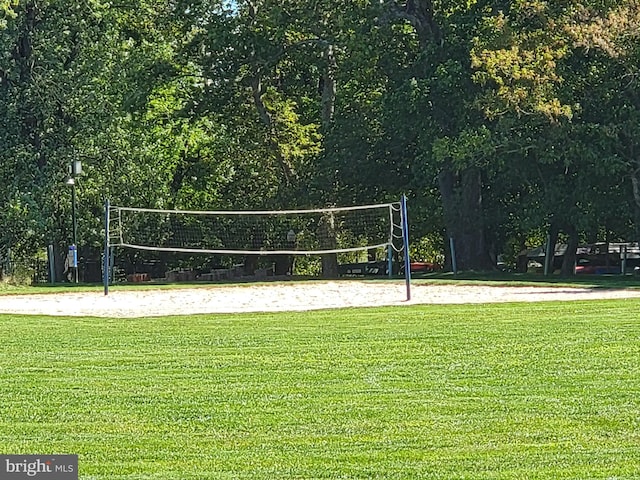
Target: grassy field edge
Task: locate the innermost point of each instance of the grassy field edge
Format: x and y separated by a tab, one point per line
487	391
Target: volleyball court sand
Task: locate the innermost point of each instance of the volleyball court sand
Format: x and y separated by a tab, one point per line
283	297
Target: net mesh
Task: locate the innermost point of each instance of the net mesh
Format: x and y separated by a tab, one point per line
292	232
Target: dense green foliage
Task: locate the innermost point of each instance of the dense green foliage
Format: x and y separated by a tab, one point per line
549	390
502	121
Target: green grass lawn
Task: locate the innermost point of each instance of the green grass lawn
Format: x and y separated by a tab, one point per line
509	391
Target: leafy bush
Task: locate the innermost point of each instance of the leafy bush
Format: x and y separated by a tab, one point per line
427	249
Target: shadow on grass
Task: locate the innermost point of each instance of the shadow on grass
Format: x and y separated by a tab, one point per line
524	279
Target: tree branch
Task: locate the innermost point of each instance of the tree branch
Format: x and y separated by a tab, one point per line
418	13
257	91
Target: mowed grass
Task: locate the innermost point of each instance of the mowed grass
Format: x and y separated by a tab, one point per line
507	391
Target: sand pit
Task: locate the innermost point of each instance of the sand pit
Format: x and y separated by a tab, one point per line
286	296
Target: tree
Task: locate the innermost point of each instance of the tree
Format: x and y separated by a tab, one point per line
269	70
439	85
7	11
70	90
554	93
41	84
607	38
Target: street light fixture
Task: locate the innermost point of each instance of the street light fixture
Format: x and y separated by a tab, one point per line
75	169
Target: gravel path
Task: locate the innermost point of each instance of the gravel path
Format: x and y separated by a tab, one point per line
283	297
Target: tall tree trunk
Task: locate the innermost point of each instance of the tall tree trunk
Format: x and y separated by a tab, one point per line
329	88
637	223
462	203
250	264
569	259
328	241
635	183
60	252
330	266
330	260
550	248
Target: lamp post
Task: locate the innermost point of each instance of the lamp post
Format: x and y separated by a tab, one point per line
75	169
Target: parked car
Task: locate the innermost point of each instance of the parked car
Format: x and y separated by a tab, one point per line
425	267
586	267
